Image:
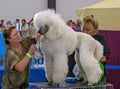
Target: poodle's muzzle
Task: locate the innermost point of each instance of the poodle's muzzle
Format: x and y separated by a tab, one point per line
43	30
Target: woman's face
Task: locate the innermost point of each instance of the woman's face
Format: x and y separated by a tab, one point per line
15	36
89	29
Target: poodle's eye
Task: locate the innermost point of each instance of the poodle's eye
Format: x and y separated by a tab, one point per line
43	30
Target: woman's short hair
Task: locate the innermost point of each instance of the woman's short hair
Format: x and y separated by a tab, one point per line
7	33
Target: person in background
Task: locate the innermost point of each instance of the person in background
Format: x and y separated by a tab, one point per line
17	25
2	22
69	23
32	30
1	28
78	24
74	27
8	24
17	59
24	29
90	26
71	60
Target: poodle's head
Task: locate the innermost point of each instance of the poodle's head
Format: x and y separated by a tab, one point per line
48	23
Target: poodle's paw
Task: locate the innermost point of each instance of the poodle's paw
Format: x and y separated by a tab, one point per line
85	81
89	84
50	83
53	84
56	84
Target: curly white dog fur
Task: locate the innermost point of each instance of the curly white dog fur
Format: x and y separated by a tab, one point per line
59	41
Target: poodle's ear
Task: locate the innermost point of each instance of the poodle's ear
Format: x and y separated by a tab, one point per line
54	32
54	27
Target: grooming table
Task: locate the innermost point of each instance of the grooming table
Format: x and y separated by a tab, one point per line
76	85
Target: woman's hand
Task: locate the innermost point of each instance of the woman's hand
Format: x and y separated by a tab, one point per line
103	58
36	36
32	49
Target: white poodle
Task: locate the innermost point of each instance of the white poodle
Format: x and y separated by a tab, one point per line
59	40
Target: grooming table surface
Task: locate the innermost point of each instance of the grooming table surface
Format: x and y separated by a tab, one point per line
76	85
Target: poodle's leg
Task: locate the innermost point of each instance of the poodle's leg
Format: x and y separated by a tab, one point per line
60	68
89	63
77	58
48	68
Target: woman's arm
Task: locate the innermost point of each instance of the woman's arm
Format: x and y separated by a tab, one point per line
20	66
